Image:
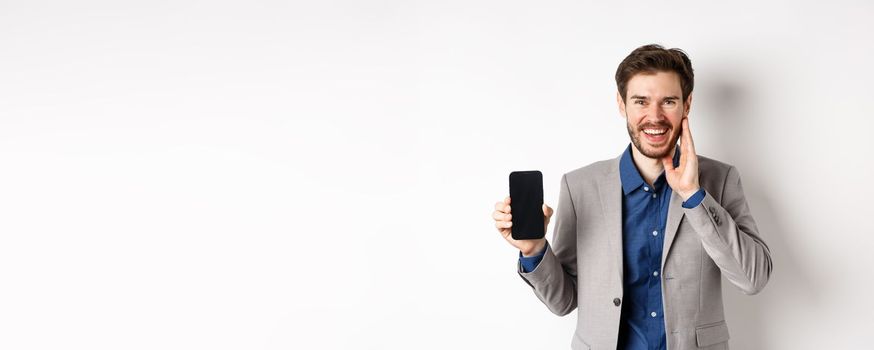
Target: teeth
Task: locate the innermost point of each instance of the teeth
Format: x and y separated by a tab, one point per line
655	132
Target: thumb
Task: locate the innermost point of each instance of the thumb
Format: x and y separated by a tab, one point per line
668	163
547	210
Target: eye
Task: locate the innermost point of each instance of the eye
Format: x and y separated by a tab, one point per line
670	102
638	102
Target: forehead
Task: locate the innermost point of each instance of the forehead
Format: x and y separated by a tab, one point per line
655	84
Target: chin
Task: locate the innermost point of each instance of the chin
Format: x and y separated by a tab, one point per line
657	152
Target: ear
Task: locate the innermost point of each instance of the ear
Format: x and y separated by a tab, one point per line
621	104
687	105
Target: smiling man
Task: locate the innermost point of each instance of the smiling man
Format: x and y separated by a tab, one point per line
641	241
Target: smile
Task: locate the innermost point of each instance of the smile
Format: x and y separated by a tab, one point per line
656	136
655	131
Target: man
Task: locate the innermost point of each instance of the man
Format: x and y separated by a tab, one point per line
642	241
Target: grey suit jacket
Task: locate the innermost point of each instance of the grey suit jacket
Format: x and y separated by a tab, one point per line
582	266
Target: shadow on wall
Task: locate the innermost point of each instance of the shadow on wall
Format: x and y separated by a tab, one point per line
734	104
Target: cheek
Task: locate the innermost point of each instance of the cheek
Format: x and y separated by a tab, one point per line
676	119
634	117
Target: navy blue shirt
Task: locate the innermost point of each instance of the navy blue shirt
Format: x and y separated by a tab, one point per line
644	217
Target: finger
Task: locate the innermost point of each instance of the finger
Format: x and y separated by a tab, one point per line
503	224
507	200
683	142
687	136
502	207
668	163
501	216
684	136
547	211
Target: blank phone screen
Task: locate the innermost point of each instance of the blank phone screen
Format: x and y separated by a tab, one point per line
526	201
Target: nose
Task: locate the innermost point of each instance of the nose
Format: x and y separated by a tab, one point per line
655	113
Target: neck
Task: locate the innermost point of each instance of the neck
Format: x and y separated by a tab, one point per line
649	168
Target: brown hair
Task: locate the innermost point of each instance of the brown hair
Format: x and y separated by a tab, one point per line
649	59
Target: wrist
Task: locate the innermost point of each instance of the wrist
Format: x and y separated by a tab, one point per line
536	249
688	194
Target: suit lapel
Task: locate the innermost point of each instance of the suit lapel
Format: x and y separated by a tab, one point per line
675	215
610	191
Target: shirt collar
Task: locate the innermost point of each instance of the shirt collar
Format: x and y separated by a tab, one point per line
630	176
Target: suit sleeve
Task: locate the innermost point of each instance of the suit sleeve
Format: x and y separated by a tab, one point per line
554	280
730	236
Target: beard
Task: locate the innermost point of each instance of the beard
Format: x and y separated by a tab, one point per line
657	152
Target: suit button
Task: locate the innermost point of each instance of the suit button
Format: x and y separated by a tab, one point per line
616	301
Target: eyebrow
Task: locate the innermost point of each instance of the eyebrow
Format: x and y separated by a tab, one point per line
638	97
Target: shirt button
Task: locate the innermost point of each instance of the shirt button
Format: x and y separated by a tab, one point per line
645	188
653	195
616	301
653	314
655	273
655	233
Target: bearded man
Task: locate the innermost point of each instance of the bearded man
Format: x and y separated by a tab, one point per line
641	241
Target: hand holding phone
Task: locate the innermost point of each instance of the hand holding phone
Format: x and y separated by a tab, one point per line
505	218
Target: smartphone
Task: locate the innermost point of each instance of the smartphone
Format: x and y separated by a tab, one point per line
526	202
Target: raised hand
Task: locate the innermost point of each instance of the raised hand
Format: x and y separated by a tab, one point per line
504	223
684	178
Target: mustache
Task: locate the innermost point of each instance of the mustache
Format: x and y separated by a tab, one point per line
655	126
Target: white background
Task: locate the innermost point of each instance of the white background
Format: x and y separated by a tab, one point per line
321	174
